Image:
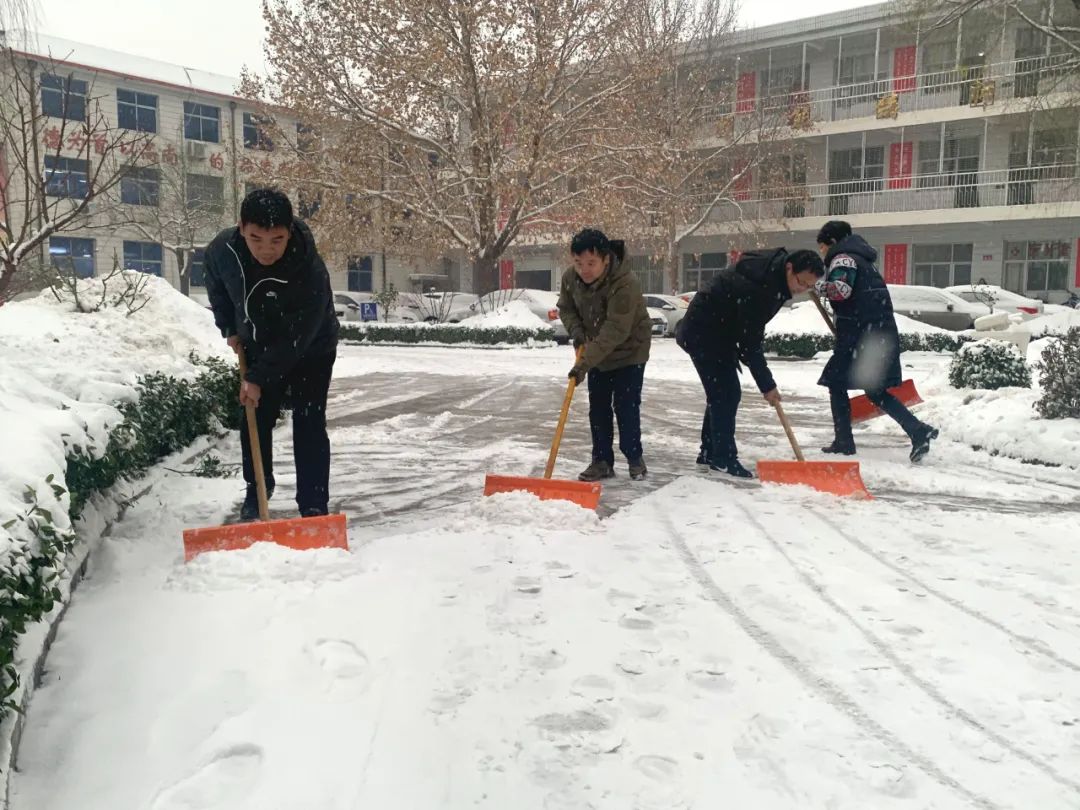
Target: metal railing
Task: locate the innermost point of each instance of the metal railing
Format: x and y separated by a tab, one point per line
1039	185
972	86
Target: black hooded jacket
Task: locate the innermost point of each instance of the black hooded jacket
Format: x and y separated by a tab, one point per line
283	313
729	317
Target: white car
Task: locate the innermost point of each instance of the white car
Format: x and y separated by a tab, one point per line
347	305
935	306
1003	300
672	307
542	303
659	321
438	307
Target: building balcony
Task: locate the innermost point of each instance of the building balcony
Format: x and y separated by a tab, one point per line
1037	192
1004	87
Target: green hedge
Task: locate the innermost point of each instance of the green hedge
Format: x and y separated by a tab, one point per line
168	415
446	333
807	345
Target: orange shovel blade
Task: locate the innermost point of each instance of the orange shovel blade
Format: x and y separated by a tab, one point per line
302	534
862	408
834	477
583	493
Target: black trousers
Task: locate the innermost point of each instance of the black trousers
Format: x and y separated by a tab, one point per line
309	383
894	408
616	394
720	378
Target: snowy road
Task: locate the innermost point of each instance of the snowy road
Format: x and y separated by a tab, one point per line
702	644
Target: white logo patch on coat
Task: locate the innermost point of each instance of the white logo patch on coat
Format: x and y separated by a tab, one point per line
843	260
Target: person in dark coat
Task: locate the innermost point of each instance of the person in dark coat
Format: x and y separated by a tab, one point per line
725	325
602	308
270	293
867	353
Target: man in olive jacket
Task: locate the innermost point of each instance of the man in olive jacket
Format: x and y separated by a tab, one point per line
603	309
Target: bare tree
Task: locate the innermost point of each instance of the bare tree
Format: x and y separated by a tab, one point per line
696	146
57	160
479	119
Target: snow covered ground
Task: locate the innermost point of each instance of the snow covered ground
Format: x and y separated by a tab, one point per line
697	643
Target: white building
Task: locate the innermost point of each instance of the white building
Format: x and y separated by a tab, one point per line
200	130
954	152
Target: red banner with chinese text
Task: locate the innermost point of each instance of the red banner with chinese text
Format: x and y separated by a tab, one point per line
746	91
901	156
896	264
506	274
904	60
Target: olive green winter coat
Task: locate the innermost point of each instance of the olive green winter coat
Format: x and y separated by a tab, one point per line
609	315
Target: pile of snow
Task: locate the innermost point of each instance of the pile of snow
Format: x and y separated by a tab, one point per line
1057	323
63	372
804	319
515	314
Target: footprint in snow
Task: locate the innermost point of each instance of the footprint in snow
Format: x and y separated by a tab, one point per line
340	659
222	782
657	768
593	687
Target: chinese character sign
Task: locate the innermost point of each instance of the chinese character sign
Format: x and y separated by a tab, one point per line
901	156
904	69
896	264
506	274
217	161
746	90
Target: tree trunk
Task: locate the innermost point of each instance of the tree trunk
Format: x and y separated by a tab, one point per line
6	279
485	275
183	267
671	266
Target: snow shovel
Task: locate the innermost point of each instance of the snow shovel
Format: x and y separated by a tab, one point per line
861	406
302	534
834	477
584	493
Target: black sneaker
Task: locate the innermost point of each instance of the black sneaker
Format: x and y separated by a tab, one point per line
840	448
920	443
314	511
597	471
702	459
250	509
638	470
732	467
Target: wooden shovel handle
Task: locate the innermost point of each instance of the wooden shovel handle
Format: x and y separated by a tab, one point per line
256	448
789	432
824	313
550	468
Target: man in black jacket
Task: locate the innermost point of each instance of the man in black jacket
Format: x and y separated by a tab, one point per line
724	325
867	353
270	293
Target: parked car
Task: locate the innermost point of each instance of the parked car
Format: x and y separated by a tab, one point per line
659	321
935	306
1003	300
671	306
687	296
347	306
542	303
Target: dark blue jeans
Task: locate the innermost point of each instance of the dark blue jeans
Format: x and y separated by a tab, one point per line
720	378
616	394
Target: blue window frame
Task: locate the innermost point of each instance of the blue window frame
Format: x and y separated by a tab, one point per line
360	275
143	256
136	111
63	97
141	186
195	269
202	122
66	177
73	255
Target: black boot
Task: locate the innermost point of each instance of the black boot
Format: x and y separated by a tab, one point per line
250	509
702	459
732	467
638	470
840	447
313	511
920	442
597	471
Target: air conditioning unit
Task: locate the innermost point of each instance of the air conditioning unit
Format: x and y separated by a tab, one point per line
195	150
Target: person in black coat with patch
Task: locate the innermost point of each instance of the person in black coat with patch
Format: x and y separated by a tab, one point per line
725	325
270	293
867	353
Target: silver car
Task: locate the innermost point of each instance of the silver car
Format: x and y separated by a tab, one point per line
671	307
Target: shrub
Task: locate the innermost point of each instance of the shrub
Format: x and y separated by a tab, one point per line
446	333
807	345
1059	377
989	364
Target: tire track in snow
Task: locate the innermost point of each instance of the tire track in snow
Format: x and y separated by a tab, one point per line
830	692
906	669
1033	644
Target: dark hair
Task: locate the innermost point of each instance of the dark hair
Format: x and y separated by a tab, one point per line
833	231
594	240
268	208
806	261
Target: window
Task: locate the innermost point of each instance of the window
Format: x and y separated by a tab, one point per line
781	82
140	186
307	138
308	203
143	256
700	268
195	268
941	265
136	111
856	80
63	97
201	122
649	272
850	166
66	177
360	274
255	136
1037	267
206	192
70	255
